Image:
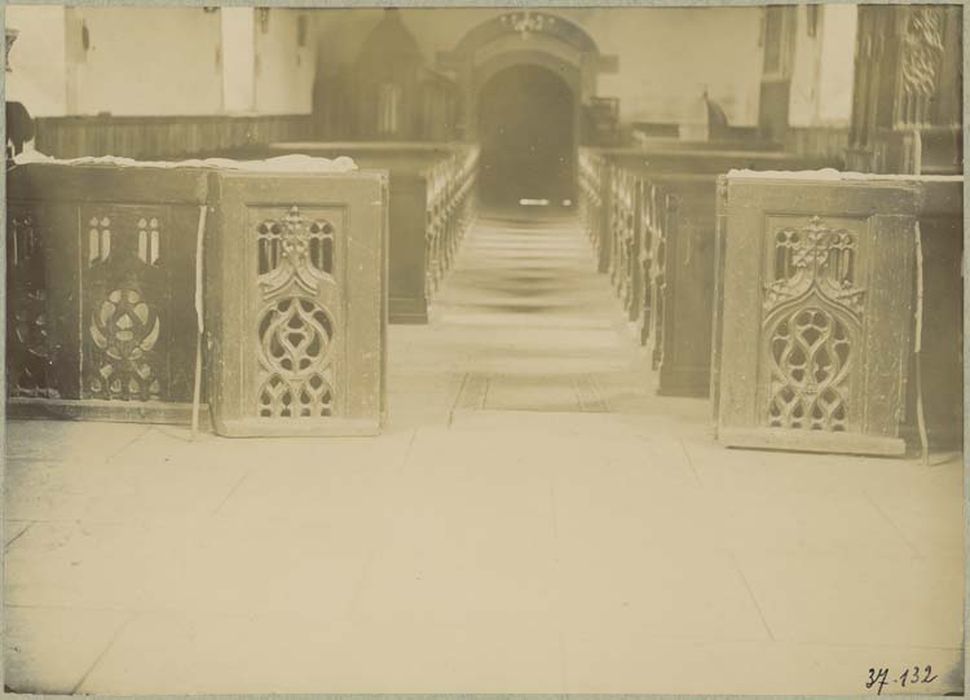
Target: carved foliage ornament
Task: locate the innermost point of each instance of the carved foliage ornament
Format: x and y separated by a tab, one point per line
125	329
922	50
527	23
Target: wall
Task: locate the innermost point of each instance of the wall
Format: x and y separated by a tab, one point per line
38	59
168	61
144	61
821	87
667	56
238	59
284	70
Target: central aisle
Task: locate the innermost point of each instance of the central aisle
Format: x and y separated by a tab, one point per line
523	323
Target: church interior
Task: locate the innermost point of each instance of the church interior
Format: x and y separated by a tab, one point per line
484	349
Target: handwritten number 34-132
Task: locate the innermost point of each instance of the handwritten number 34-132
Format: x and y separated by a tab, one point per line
911	676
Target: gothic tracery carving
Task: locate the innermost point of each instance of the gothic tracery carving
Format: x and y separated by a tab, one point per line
126	291
295	332
294	249
813	317
125	330
815	257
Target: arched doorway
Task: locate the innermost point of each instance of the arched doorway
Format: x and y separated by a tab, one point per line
527	134
524	76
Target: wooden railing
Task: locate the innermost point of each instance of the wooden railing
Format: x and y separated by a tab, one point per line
651	216
591	205
836	296
431	204
103	293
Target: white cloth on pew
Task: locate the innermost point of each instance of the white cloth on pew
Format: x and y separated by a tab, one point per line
279	164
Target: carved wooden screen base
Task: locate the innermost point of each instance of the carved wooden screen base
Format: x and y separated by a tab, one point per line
815	324
100	288
297	310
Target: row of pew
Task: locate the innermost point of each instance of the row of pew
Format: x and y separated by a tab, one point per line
663	225
290	259
137	291
650	214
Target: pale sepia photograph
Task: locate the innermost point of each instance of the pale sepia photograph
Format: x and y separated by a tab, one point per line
484	349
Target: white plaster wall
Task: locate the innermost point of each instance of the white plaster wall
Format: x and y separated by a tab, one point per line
38	59
823	70
839	24
146	61
667	56
284	71
238	59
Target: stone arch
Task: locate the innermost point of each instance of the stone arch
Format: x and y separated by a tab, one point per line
525	36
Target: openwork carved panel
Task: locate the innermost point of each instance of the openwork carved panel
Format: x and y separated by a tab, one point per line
125	305
296	332
816	258
296	372
29	350
812	326
294	249
810	356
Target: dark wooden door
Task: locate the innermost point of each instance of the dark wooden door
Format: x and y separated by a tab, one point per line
526	129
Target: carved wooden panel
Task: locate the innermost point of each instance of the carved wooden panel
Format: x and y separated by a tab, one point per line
814	327
30	342
297	303
101	286
296	374
907	108
126	301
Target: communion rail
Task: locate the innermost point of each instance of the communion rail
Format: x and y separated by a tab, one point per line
839	317
106	287
431	205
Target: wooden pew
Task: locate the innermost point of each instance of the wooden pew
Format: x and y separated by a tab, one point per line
102	294
431	204
818	288
654	234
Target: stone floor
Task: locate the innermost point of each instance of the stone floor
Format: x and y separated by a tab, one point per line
534	519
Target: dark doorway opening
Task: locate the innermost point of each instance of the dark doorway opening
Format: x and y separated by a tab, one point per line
526	127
